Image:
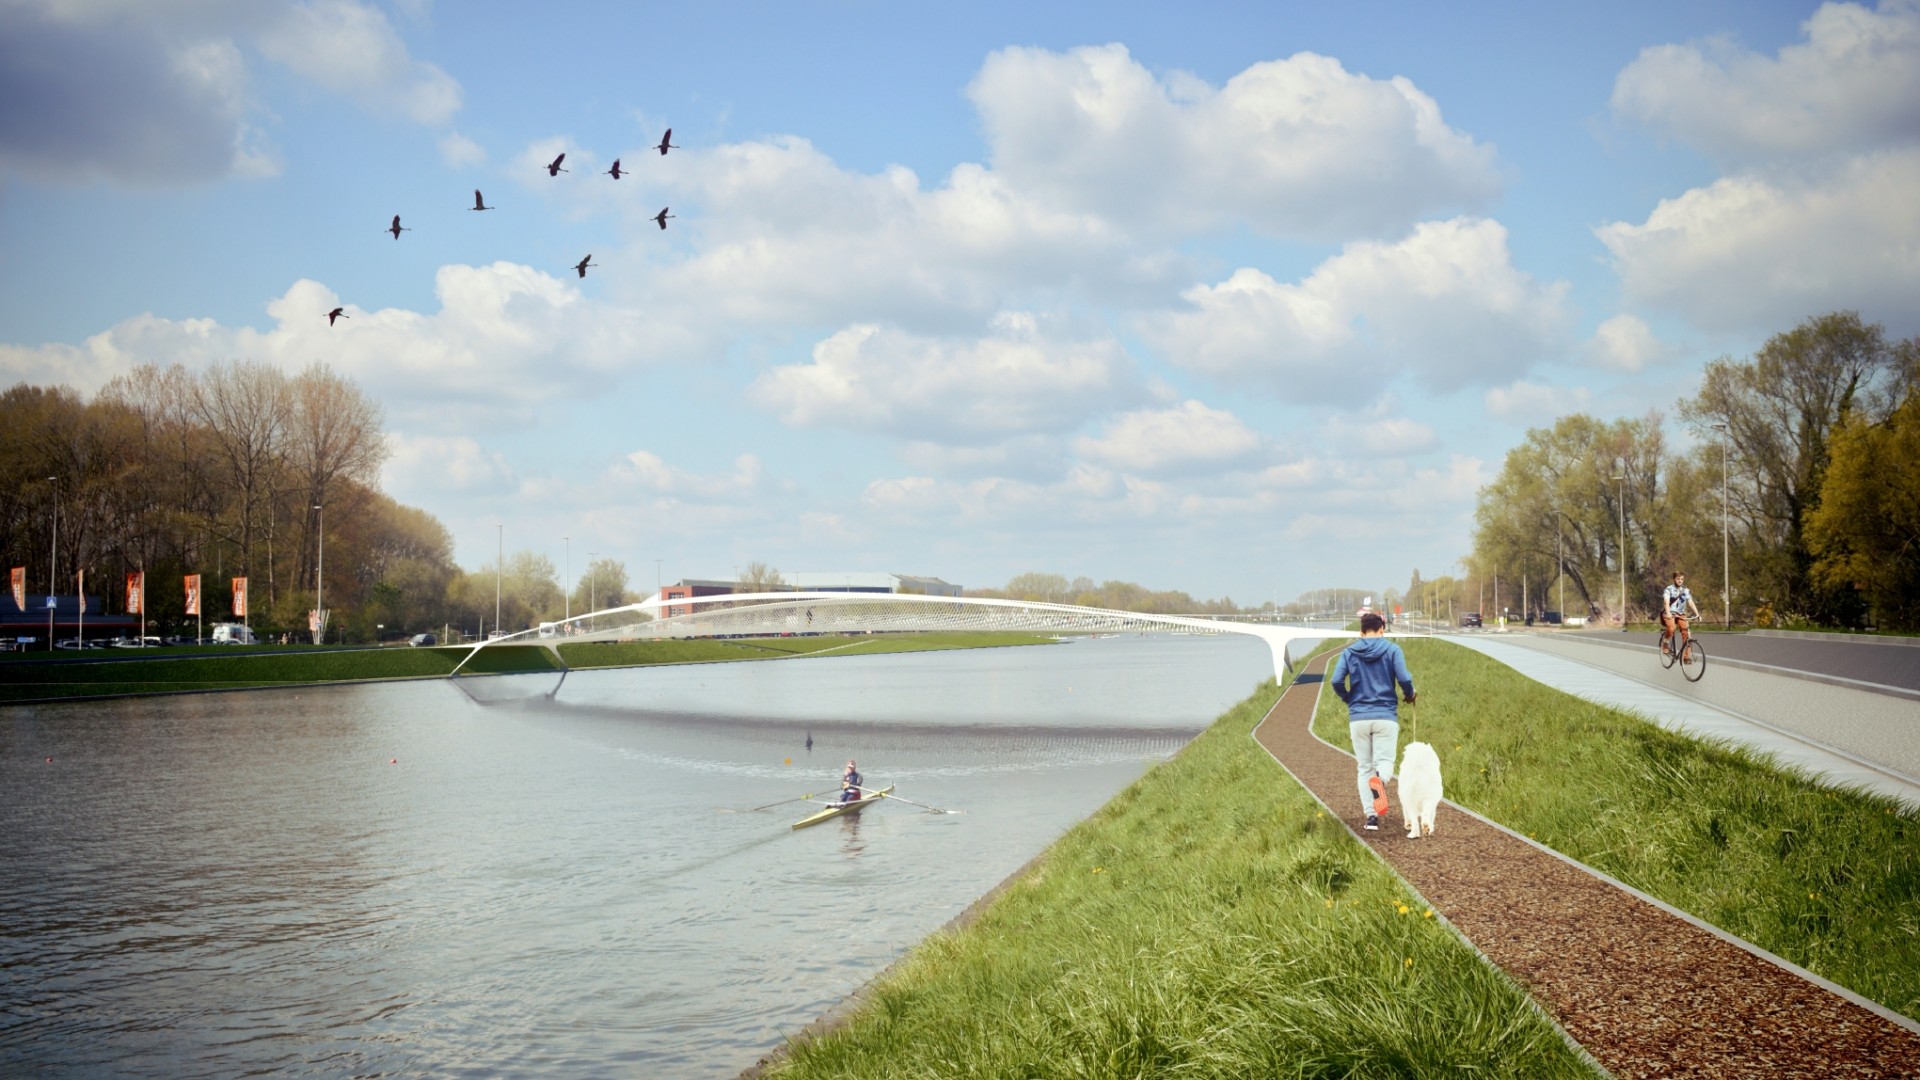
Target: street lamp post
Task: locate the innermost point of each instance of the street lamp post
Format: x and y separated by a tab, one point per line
499	564
320	575
568	606
593	584
1622	478
53	560
1726	557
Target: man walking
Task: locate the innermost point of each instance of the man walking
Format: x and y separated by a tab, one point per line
1364	675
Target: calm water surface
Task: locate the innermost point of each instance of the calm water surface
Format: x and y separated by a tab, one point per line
402	879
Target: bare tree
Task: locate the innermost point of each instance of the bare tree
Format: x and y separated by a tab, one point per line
244	408
333	433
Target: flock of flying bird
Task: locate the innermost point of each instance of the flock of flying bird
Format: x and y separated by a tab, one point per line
553	169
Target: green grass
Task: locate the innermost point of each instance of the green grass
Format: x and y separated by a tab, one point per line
188	669
639	653
1210	921
1827	878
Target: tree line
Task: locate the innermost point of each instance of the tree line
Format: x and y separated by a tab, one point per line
1796	500
245	471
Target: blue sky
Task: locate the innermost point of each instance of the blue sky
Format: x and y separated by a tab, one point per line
1241	299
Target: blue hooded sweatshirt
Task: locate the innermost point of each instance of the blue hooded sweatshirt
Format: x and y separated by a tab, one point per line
1364	674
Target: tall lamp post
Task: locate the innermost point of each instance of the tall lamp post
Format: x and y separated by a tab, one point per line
593	584
499	564
1622	478
319	578
1726	557
53	560
568	607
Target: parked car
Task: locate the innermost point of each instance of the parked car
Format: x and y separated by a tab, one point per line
423	639
1551	618
233	633
1471	618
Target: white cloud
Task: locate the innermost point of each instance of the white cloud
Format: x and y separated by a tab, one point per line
1298	146
443	464
506	340
151	94
1534	403
86	97
781	233
1395	435
1853	85
1190	437
1626	343
1445	306
351	49
646	471
460	152
1014	382
1753	254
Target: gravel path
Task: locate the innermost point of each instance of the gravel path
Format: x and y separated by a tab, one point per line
1647	991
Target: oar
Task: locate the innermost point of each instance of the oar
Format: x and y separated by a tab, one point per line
910	802
782	802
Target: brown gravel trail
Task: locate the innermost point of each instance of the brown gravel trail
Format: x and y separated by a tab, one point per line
1648	992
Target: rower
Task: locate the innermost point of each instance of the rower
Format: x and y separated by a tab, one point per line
850	782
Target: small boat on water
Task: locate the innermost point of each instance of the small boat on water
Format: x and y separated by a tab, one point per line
852	806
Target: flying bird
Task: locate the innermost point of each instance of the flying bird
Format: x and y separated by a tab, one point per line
478	202
337	313
615	171
396	228
583	264
553	167
666	143
661	217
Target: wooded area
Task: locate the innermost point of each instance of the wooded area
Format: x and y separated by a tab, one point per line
238	471
1810	447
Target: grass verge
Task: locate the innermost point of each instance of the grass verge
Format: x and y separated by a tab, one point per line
1827	878
1209	921
24	680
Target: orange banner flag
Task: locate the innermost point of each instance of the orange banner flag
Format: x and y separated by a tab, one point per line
193	594
239	598
20	587
136	585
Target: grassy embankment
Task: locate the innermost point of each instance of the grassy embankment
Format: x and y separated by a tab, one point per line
1825	878
1209	921
23	679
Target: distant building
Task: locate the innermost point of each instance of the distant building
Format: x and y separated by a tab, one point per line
873	583
67	621
864	582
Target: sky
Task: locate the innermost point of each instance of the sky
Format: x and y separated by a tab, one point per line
1237	299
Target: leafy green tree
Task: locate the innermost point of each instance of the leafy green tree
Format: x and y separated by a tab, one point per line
1778	413
603	586
1556	508
1865	533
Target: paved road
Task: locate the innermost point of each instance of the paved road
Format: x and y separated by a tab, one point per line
1876	663
1849	734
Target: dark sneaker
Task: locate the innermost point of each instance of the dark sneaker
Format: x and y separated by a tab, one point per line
1379	789
1373	822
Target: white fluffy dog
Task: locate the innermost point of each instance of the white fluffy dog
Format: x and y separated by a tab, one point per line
1419	788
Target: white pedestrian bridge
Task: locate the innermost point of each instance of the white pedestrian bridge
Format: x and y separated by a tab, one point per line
774	613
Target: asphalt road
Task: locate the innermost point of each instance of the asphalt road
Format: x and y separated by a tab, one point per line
1864	661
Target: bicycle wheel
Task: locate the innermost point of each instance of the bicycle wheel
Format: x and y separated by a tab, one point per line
1693	660
1666	649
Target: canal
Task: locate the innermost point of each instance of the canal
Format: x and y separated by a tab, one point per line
472	879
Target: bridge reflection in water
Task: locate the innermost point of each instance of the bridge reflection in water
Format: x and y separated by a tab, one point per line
774	613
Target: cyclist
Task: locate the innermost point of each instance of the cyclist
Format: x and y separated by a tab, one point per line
1675	601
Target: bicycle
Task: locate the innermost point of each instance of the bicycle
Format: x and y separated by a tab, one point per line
1692	656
